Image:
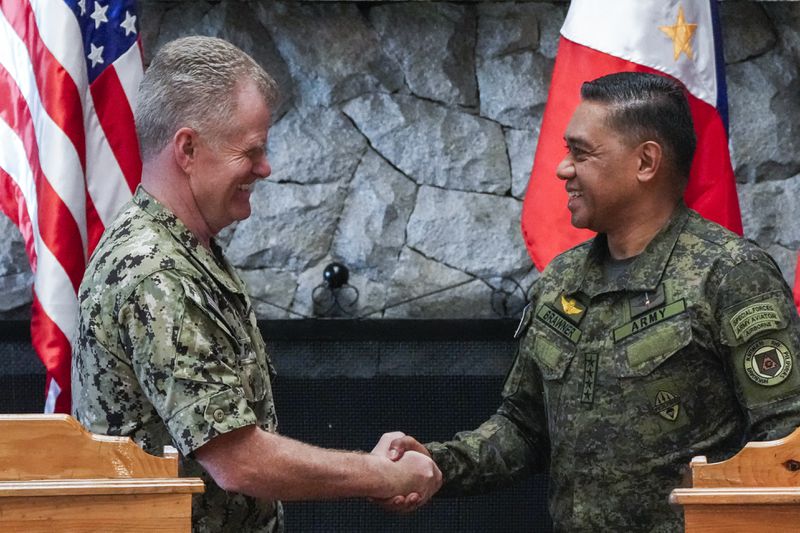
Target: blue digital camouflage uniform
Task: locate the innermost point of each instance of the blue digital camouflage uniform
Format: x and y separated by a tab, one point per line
619	383
168	352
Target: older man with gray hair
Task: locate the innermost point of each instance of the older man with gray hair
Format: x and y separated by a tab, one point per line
168	349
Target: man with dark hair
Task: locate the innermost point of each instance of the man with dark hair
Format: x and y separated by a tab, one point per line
664	337
168	349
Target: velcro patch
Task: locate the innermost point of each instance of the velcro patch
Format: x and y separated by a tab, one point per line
558	323
653	317
768	362
755	318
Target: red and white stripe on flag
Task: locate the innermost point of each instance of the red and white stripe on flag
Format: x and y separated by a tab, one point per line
677	38
69	158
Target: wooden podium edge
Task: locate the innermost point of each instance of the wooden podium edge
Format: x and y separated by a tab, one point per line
736	496
774	463
96	487
128	459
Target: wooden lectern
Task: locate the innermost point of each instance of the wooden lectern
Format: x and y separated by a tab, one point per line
757	490
56	476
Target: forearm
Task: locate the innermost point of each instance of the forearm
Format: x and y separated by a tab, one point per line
269	466
292	470
495	454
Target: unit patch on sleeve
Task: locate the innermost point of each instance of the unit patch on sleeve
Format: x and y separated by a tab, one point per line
755	318
768	362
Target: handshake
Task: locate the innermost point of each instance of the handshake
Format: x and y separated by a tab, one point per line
413	476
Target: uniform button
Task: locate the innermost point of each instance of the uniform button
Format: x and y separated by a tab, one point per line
219	415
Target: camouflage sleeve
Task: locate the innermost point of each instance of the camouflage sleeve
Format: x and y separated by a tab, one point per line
760	334
505	448
183	357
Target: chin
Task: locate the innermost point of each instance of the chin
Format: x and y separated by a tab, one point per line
578	223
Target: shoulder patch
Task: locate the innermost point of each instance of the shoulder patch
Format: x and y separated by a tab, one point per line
768	362
755	318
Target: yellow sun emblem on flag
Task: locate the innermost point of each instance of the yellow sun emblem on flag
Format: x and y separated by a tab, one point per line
681	34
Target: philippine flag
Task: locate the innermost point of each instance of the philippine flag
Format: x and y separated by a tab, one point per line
675	38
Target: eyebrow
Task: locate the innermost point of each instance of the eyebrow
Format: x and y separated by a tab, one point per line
578	142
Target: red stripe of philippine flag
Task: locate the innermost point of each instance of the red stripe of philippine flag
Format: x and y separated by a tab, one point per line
674	38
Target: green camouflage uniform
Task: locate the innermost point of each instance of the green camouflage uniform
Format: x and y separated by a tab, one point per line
168	352
619	383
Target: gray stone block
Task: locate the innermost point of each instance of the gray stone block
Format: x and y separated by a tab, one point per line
372	227
765	117
332	53
433	144
769	212
271	291
786	18
434	44
16	278
319	145
521	146
507	28
513	88
747	31
443	227
291	226
424	288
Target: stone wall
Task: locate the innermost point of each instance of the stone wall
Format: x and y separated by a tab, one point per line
405	137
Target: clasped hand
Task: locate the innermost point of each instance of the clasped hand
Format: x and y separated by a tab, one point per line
423	475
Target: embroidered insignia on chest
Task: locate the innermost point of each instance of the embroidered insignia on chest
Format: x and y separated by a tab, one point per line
768	362
644	321
569	307
667	405
589	378
556	321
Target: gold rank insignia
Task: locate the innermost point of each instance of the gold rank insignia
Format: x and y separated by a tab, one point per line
570	308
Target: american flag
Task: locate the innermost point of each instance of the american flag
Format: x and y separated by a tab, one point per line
69	158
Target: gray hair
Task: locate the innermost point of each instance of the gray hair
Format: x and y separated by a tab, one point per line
191	83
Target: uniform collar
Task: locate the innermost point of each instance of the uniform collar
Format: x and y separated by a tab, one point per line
213	262
644	273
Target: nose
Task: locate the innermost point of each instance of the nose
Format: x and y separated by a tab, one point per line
566	168
262	167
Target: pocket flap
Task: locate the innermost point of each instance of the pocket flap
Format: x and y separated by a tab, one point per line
645	352
552	358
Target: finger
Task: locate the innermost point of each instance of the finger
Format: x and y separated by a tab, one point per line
382	447
400	445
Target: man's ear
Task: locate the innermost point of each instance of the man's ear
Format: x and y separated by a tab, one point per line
650	160
184	148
